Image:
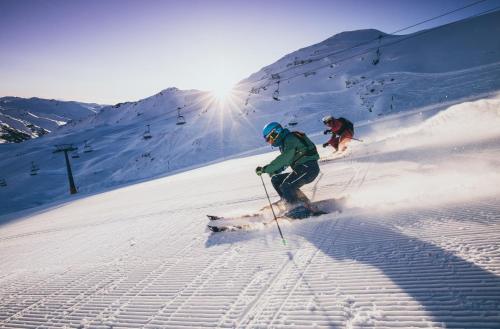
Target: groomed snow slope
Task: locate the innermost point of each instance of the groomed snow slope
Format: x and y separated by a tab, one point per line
417	245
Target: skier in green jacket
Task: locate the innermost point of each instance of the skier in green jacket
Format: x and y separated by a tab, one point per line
297	152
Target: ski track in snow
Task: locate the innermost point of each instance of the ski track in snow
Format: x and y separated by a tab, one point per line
141	257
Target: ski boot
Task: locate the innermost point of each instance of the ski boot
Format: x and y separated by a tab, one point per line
278	206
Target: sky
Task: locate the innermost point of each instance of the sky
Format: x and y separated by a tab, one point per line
110	51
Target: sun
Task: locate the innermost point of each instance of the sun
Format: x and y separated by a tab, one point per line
222	92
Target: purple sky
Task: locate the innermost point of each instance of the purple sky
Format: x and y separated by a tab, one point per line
110	51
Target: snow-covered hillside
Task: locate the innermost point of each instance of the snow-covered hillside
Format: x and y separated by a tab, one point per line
423	73
22	119
366	76
417	244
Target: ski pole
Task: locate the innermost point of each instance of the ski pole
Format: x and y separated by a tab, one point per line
272	209
356	139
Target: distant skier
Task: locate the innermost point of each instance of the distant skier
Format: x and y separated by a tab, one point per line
342	131
297	152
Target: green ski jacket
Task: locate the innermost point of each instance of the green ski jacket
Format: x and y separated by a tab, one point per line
296	148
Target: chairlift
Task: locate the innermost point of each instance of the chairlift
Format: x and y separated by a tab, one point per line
75	154
34	169
180	119
377	53
3	182
147	133
276	93
293	121
252	91
255	90
87	148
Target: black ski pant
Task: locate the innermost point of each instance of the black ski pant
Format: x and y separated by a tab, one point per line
287	185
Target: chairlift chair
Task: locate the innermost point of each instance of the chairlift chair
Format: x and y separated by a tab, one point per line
293	120
87	148
276	93
180	119
34	169
147	133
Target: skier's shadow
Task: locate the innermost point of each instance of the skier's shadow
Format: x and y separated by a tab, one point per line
453	291
449	288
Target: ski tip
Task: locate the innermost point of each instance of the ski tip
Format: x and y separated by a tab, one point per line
318	213
215	228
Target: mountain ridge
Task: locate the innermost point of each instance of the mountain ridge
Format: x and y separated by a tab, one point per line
26	118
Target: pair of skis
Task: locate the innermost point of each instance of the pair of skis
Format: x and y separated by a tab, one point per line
222	224
247	222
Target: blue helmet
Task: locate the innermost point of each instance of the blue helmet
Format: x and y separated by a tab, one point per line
272	133
270	127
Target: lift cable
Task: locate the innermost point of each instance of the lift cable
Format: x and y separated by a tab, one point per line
366	51
375	39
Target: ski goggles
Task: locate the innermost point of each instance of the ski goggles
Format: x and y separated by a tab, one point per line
271	137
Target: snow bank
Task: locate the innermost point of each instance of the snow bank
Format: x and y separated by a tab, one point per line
435	176
460	124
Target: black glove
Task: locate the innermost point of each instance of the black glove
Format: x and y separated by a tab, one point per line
327	131
325	144
259	171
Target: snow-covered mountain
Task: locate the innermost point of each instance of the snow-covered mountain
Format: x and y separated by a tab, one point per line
22	119
382	76
386	77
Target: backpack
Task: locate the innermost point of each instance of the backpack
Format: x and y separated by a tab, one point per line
346	125
308	144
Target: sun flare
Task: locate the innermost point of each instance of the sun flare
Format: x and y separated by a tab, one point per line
222	92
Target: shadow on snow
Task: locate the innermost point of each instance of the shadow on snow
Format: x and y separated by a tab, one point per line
453	291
